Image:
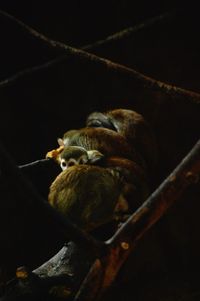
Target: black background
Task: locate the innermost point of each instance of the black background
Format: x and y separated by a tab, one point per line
39	107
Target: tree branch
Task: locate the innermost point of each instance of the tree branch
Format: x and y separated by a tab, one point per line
141	79
125	239
115	37
34	163
129	31
8	81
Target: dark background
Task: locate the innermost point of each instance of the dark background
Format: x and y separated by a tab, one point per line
36	109
39	107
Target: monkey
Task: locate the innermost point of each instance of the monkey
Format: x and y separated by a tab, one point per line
89	196
74	155
106	141
135	184
135	179
133	127
101	168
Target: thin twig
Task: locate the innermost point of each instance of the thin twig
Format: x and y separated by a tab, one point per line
140	78
116	36
125	239
129	31
34	163
10	80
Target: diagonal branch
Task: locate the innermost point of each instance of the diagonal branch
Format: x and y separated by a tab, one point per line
123	242
139	78
129	31
114	37
124	33
185	174
9	80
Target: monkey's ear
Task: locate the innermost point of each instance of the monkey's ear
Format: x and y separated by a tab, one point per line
94	156
60	142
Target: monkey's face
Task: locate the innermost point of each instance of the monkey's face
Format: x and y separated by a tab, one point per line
75	155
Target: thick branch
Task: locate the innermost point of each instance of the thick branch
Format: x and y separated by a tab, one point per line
185	174
140	78
125	239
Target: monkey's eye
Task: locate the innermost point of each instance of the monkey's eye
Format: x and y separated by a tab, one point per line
71	162
63	164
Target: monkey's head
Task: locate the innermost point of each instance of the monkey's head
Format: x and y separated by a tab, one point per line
74	155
